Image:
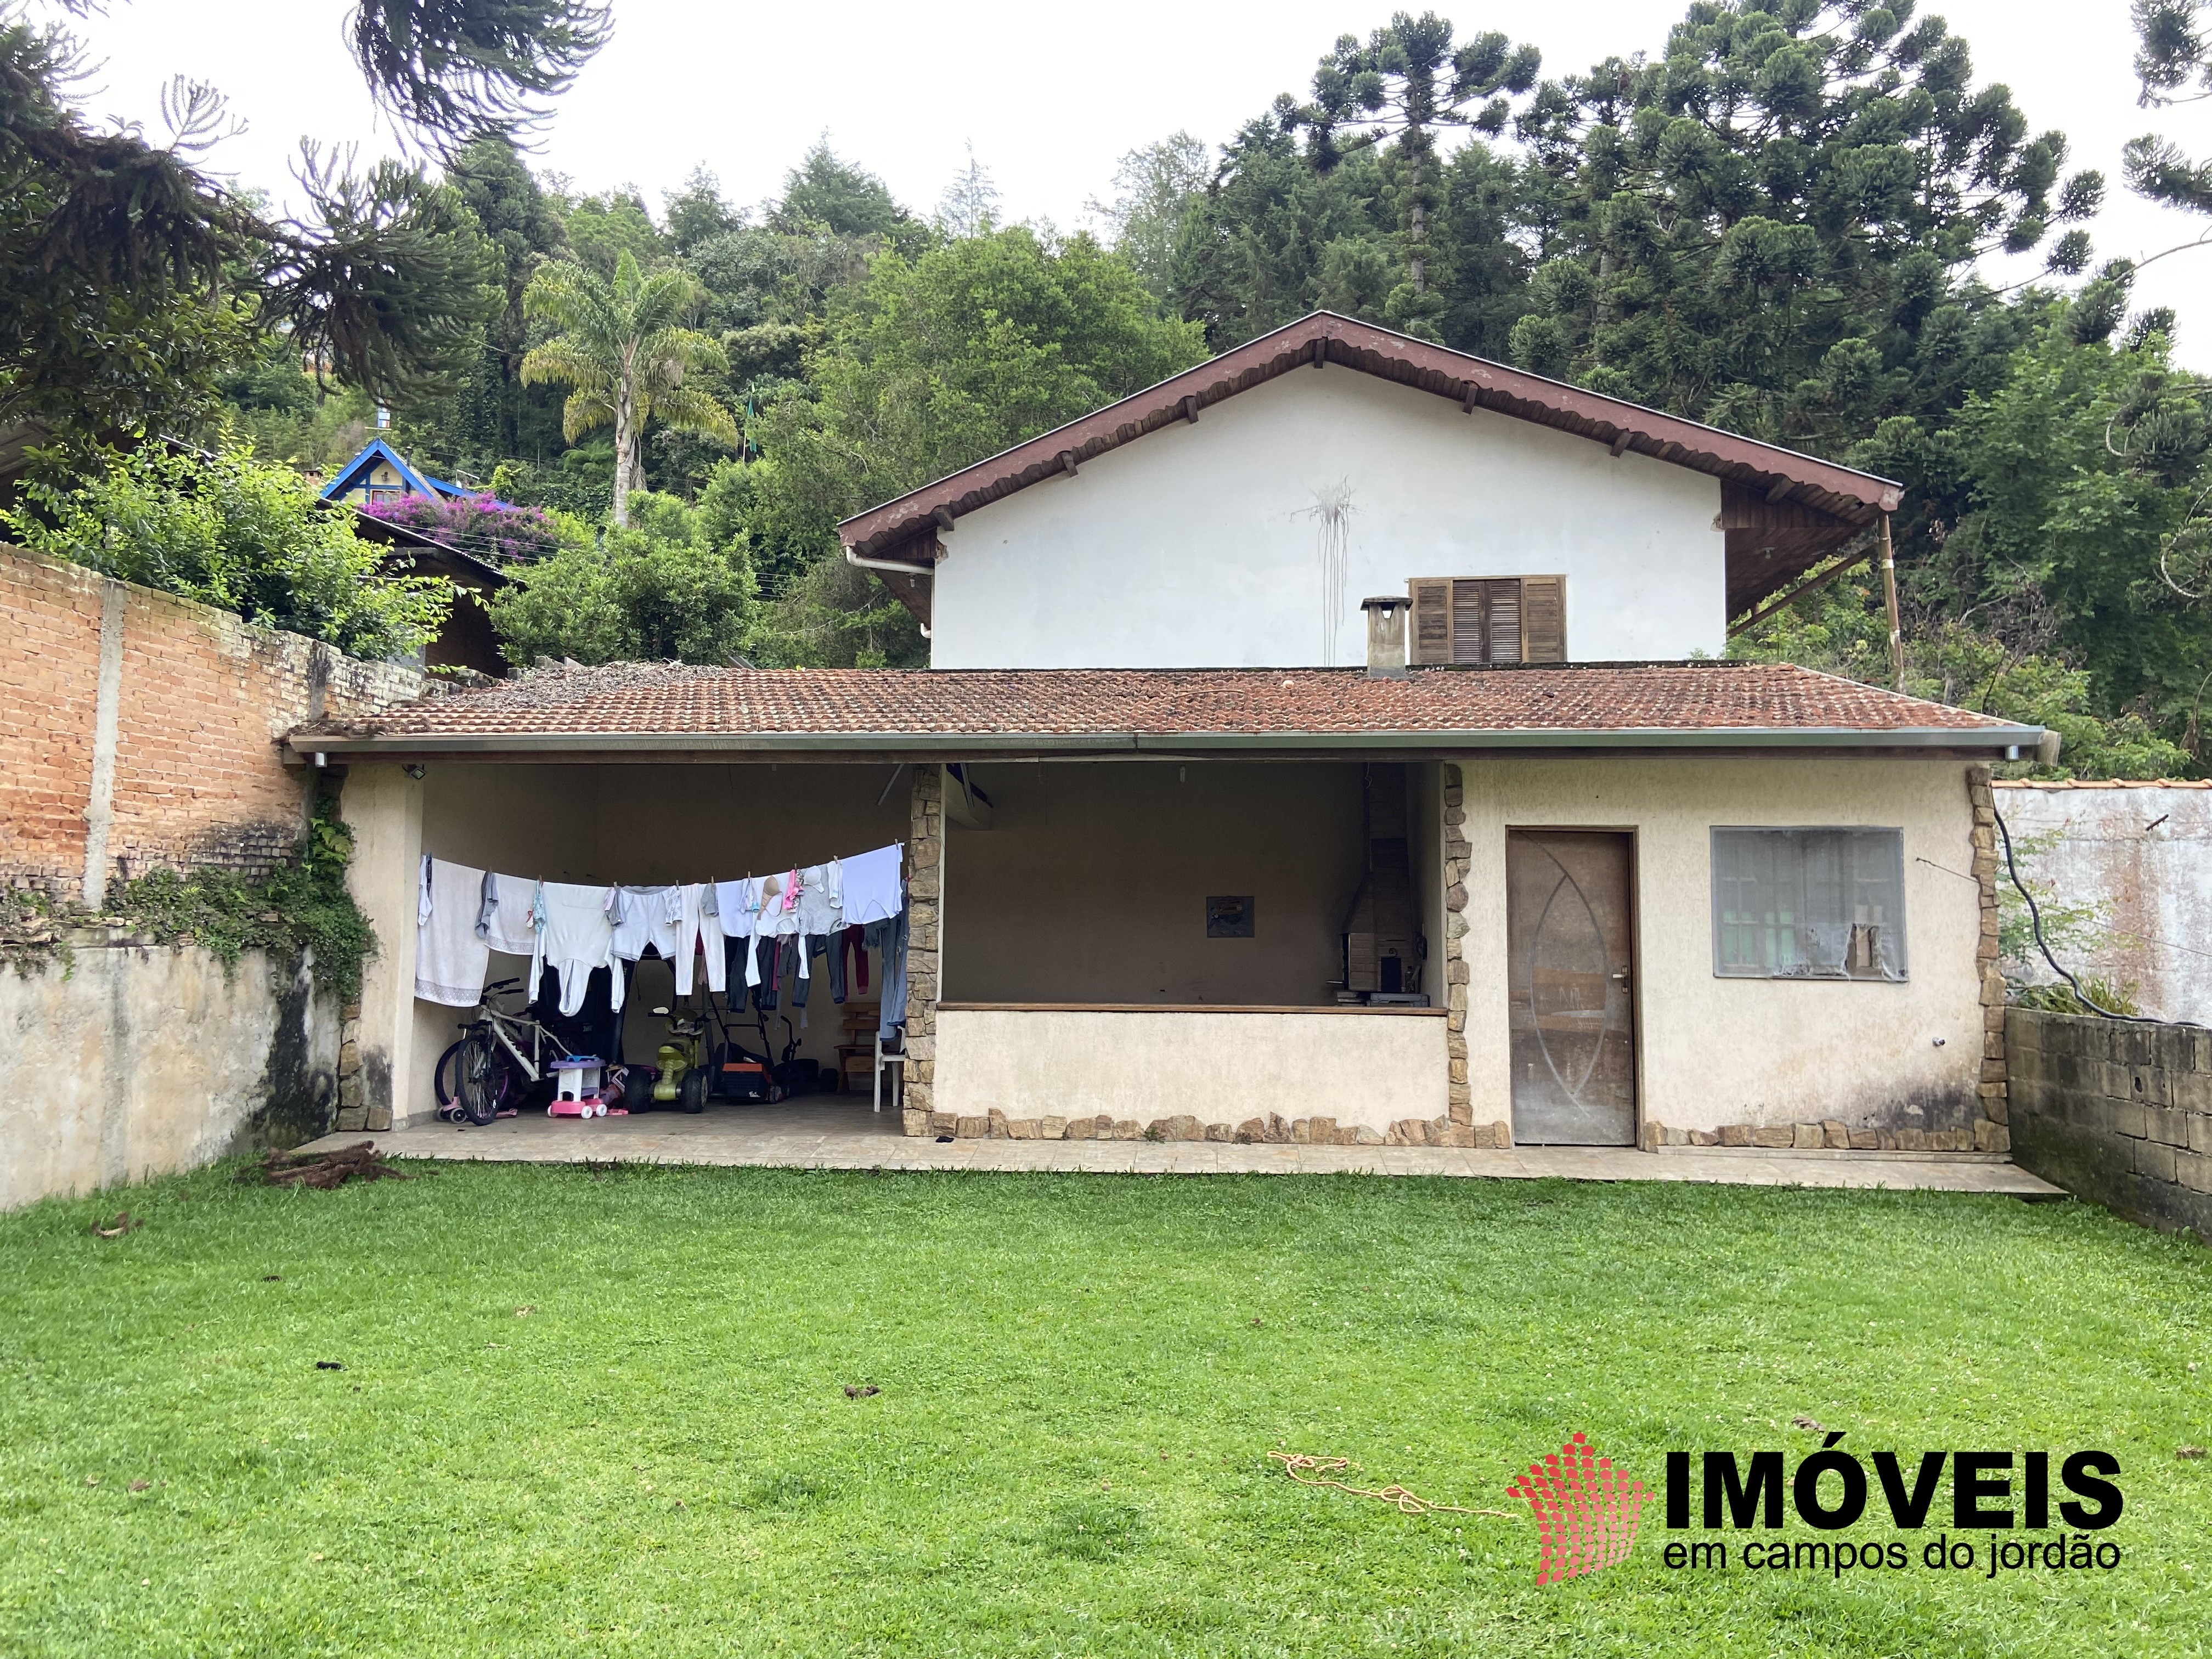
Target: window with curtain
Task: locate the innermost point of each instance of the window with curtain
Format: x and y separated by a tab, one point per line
1815	904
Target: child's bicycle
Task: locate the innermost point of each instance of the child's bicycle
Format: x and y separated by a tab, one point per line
501	1055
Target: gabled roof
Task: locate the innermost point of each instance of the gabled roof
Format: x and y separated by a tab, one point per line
672	709
351	475
1781	511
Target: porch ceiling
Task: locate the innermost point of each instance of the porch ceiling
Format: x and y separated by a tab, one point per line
666	710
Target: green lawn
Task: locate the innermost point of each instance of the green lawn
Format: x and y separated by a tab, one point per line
606	1412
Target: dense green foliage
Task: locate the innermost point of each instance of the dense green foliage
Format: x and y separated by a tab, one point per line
622	349
1775	222
936	362
603	1408
236	533
674	583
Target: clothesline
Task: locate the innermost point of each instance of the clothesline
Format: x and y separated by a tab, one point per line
464	913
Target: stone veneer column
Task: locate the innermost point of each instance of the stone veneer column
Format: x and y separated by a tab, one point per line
925	889
1992	1133
1459	1102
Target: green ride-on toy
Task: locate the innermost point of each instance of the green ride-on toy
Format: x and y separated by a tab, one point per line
682	1080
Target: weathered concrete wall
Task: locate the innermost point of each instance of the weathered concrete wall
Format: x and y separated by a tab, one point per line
146	1060
1904	1060
142	729
2118	1113
1353	1068
2142	854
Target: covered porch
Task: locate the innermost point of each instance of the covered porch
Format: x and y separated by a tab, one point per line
1190	949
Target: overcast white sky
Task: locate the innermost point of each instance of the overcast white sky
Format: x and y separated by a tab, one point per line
1049	96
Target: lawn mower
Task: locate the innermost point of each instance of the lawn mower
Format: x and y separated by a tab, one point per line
694	1068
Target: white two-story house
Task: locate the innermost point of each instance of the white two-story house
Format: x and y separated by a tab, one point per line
1328	743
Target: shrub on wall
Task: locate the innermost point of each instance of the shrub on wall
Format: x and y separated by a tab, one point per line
481	526
302	905
235	533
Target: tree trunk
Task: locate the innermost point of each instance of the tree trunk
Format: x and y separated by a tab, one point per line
625	443
1418	265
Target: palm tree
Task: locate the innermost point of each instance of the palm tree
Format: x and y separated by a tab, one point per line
623	351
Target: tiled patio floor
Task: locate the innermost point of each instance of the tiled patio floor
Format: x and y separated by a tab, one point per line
837	1136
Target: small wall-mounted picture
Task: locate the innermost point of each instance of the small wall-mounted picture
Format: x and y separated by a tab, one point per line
1229	916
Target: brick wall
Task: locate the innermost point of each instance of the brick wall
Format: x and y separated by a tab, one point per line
2116	1112
194	778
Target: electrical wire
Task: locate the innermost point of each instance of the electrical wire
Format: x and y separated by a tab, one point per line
2035	919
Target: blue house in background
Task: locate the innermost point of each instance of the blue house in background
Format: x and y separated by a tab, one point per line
381	470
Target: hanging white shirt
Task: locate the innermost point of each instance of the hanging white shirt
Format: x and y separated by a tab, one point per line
870	885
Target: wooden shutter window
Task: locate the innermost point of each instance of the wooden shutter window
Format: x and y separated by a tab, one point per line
1432	630
1501	638
1543	619
1481	620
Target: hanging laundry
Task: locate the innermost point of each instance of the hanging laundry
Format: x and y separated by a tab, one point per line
889	937
701	929
735	902
779	911
871	886
760	974
647	915
820	906
449	959
821	898
853	942
791	970
508	920
578	936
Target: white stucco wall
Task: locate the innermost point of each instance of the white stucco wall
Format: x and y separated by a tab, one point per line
1195	547
1716	1051
1360	1068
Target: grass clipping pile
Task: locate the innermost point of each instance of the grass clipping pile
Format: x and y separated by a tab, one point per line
322	1171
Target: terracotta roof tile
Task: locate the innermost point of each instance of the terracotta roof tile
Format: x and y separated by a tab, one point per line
776	707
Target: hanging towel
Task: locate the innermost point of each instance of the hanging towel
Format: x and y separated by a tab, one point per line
647	915
578	936
449	959
509	922
872	885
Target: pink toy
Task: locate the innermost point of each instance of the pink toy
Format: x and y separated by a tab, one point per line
576	1088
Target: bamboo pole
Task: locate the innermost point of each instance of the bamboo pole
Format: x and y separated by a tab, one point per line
1889	599
1813	584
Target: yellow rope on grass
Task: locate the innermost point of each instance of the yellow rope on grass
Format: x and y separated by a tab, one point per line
1298	1466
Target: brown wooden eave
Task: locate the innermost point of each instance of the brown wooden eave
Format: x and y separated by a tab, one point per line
1793	509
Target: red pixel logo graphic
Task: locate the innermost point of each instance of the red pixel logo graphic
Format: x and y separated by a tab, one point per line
1586	1510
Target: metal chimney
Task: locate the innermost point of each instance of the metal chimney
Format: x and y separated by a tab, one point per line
1386	636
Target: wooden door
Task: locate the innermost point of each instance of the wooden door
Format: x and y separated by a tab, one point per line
1569	958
